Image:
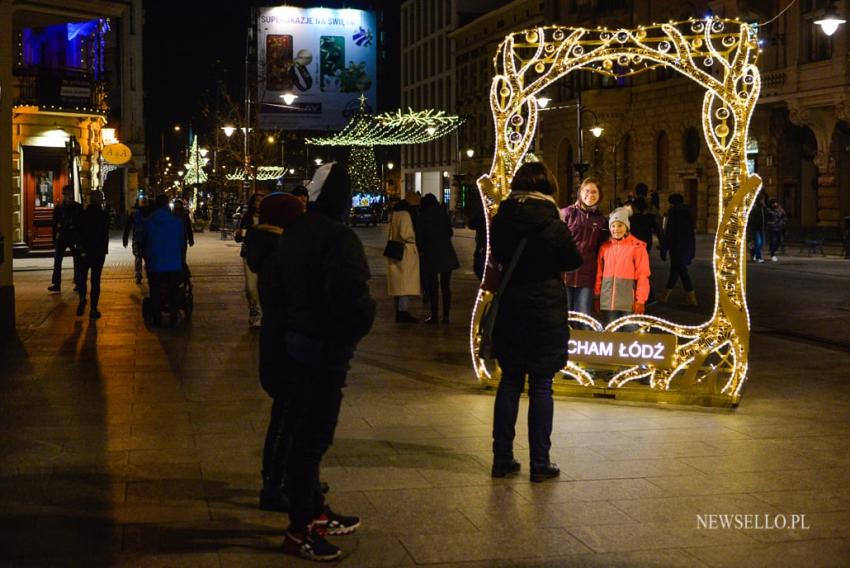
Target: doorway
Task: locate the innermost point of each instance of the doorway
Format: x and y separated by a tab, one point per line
44	175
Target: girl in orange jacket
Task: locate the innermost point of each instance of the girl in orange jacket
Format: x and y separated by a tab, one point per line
622	274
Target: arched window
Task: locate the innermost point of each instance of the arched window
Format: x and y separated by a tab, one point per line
662	163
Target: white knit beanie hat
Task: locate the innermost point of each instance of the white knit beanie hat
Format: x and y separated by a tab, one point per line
620	214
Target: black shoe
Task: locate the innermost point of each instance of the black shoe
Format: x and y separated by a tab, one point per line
55	288
81	307
273	500
94	314
544	472
334	524
431	320
504	469
310	545
405	317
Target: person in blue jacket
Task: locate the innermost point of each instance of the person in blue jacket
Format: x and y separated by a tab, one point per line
162	239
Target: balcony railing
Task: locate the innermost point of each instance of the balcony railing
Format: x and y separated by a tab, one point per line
67	89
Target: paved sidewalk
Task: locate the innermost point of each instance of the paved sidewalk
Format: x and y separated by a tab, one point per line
121	445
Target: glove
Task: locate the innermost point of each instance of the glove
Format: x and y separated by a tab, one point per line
639	308
597	306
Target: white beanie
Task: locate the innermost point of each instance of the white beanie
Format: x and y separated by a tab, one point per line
620	214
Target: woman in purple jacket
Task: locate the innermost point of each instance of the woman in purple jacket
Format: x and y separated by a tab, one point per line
589	229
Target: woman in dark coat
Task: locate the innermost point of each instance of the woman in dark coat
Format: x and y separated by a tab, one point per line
680	242
531	331
436	254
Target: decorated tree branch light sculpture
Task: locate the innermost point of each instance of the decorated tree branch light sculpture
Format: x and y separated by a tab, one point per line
710	360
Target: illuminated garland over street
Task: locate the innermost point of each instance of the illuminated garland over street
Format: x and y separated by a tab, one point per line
392	129
710	362
264	173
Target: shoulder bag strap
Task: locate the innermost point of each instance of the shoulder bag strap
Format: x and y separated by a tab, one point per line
507	275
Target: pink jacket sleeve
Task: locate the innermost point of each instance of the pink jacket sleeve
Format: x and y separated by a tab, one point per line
641	274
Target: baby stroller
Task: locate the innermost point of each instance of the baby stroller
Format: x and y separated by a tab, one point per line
185	300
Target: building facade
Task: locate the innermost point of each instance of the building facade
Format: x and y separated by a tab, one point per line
73	69
428	80
652	122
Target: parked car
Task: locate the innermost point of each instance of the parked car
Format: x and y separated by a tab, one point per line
363	216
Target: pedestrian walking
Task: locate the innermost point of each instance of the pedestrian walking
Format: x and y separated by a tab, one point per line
179	211
622	273
133	227
680	243
437	255
776	220
277	212
250	217
403	279
531	331
643	224
589	230
320	276
758	226
93	239
65	218
162	240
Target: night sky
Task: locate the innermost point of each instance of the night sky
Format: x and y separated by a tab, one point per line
191	45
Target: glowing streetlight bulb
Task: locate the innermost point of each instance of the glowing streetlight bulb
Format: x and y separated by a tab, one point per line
390	165
543	102
176	128
270	139
291	171
288	98
470	152
228	130
596	131
829	22
318	161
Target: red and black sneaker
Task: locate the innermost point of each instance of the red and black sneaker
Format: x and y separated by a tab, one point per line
310	545
335	524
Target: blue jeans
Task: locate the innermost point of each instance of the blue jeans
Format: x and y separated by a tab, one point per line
581	300
775	242
758	242
540	413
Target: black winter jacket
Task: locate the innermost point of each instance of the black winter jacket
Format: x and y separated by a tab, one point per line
679	238
532	327
93	232
320	281
434	240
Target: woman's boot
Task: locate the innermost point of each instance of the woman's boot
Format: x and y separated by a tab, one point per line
664	296
692	298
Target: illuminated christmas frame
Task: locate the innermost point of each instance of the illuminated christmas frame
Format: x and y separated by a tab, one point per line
710	360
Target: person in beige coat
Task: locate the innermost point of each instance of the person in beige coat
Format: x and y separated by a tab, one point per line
403	275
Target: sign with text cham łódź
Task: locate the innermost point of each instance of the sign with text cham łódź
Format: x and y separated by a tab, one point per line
621	348
117	154
327	57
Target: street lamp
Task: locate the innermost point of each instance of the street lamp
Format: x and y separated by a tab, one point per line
318	161
228	130
176	128
289	98
390	165
470	153
543	102
830	21
270	139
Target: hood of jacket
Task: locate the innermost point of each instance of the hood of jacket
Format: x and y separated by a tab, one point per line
527	213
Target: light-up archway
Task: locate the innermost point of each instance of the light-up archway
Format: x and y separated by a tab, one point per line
709	361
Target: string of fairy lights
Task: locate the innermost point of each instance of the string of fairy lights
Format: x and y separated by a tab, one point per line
720	55
392	129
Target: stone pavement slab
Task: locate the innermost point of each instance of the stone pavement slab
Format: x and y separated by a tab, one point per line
127	446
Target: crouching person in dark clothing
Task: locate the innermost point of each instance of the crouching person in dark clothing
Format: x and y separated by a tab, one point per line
93	239
277	212
320	279
531	331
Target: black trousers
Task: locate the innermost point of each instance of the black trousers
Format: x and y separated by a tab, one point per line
312	416
679	269
541	410
164	286
277	446
59	253
86	264
443	282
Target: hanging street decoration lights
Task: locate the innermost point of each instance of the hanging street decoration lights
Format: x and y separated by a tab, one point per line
707	363
264	173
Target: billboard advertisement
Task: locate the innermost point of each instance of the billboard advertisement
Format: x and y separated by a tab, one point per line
324	56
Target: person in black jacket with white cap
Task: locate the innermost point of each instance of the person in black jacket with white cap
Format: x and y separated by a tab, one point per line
320	275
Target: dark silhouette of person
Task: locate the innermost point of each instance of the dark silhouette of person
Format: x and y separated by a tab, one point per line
93	239
65	217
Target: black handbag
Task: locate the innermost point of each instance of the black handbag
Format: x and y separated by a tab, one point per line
394	250
491	310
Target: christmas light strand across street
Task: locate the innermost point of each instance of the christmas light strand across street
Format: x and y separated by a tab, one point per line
392	129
